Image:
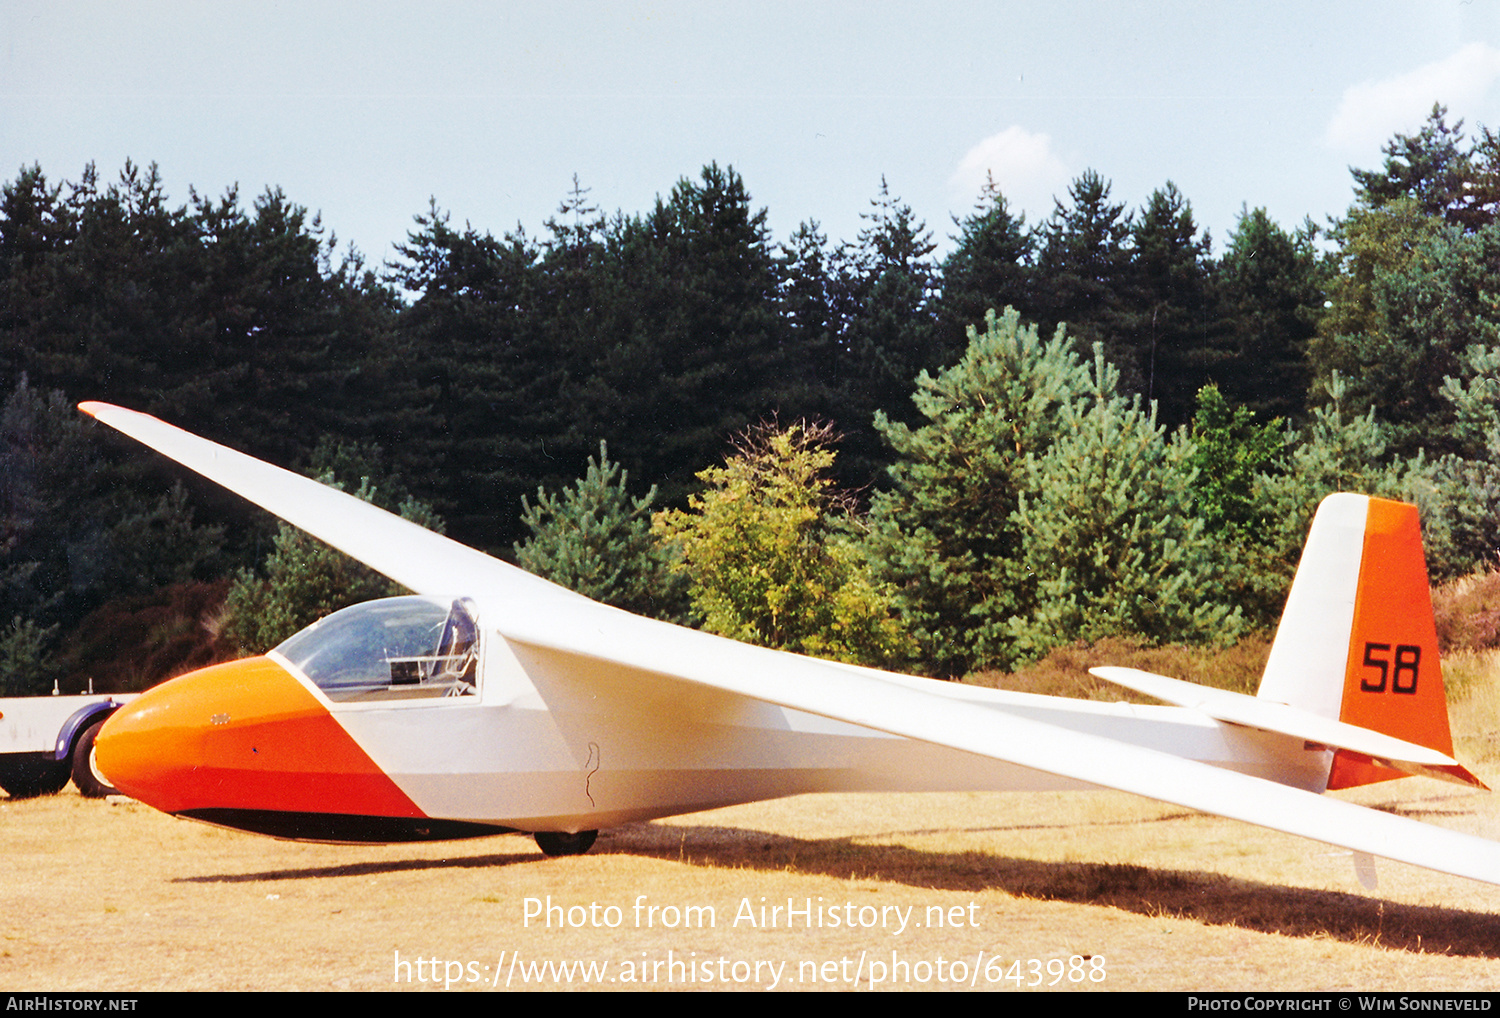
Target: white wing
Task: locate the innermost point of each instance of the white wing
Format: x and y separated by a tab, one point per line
541	614
410	554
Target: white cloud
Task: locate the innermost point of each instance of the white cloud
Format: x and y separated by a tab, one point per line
1373	111
1027	171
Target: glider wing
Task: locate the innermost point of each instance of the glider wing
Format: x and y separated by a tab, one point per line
540	614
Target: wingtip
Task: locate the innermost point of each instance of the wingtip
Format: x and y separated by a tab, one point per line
92	407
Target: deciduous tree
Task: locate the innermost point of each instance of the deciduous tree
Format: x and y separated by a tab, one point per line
769	558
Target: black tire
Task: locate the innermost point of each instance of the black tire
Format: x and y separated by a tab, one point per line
86	776
33	774
562	843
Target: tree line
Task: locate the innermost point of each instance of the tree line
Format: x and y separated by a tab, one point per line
472	370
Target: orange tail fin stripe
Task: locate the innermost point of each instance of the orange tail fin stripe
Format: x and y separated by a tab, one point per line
1393	681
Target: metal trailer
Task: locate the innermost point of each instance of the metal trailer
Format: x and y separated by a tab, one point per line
45	740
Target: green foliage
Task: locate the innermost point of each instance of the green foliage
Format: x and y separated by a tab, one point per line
1403	309
1419	270
225	320
769	558
681	343
1336	451
1468	481
1230	452
883	295
665	330
1430	169
26	667
1411	330
986	270
305	579
1236	460
1271	296
75	529
1170	341
1038	504
945	534
595	539
1083	270
1111	533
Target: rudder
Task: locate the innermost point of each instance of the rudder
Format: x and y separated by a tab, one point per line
1357	641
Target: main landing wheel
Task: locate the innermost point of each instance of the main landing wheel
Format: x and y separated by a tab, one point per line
86	776
561	843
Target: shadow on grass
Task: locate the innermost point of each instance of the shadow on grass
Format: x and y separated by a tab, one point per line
360	869
1204	897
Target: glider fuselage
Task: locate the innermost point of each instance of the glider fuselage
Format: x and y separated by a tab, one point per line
529	739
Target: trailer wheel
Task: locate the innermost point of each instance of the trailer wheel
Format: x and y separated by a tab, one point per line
33	775
86	775
562	843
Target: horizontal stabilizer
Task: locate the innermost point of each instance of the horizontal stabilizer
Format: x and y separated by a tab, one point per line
1268	716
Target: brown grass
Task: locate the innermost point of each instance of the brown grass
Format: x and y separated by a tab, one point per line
1064	671
119	897
114	896
1468	612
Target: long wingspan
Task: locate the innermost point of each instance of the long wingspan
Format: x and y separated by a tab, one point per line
541	614
410	554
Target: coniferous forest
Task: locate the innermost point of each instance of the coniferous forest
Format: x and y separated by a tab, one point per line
1100	424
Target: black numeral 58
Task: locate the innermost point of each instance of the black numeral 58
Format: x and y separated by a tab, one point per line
1400	671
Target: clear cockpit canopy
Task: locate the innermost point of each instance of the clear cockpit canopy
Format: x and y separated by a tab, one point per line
393	649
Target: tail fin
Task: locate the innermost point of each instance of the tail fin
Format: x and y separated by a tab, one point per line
1357	640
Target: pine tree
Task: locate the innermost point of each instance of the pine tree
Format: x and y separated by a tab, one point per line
1172	339
1411	294
76	529
1344	447
1039	505
683	345
1429	167
477	354
1271	295
1082	272
945	535
805	305
595	539
988	270
885	285
1235	459
1111	533
1468	481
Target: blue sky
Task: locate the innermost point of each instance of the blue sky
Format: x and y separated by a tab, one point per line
366	111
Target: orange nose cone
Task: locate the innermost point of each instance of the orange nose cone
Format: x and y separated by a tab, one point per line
242	736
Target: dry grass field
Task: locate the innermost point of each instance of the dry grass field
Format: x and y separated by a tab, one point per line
1084	891
115	896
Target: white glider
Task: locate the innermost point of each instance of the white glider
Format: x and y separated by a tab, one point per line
495	701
